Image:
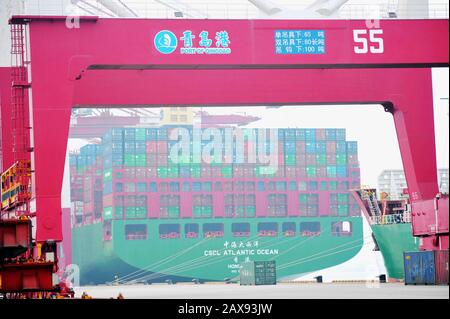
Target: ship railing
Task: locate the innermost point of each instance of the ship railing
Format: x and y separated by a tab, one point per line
391	219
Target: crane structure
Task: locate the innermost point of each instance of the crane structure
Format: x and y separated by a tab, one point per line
228	62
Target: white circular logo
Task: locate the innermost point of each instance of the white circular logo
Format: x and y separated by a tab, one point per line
165	42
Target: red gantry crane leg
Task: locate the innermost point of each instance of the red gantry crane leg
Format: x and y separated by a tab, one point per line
25	272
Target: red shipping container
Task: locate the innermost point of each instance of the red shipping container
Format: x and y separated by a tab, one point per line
250	147
152	172
310	159
280	172
320	134
118	200
301	147
174	200
197	200
352	159
331	159
129	173
301	171
206	172
300	159
151	147
249	171
130	200
140	172
88	207
216	172
238	174
162	147
321	172
152	159
162	160
441	266
108	200
291	172
331	147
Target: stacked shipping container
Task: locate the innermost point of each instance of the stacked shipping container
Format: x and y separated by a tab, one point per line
132	175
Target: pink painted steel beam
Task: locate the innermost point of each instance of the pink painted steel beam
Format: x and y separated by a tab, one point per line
114	62
5	103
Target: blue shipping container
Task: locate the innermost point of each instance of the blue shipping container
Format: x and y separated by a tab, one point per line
300	134
310	148
321	147
340	134
352	147
310	134
419	268
330	134
341	171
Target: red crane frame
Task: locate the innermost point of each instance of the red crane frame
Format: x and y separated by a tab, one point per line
110	63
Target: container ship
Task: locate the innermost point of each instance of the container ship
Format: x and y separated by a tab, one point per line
390	221
139	216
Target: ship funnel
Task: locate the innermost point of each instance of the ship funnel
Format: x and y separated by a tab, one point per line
266	6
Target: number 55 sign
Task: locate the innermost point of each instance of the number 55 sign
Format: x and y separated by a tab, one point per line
368	41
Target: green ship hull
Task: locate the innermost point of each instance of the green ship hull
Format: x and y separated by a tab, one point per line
393	240
207	259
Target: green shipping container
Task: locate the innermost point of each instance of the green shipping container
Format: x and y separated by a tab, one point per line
129	160
341	159
172	172
290	160
303	198
227	172
197	211
343	210
107	213
162	172
130	212
107	175
140	134
265	171
174	211
195	172
311	171
207	211
342	198
118	212
240	211
321	159
331	171
141	157
141	212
